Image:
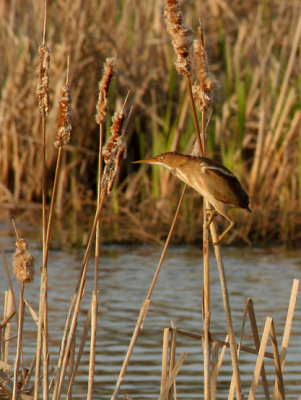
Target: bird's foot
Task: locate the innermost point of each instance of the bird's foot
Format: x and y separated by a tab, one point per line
221	237
210	214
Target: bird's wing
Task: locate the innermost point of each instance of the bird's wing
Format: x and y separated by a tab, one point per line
225	187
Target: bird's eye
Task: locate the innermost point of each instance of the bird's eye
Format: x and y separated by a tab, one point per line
162	158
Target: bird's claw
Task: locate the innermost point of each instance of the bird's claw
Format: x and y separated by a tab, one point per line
210	213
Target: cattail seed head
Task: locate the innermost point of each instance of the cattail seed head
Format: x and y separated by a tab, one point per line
43	80
180	36
64	126
23	262
110	69
113	152
202	89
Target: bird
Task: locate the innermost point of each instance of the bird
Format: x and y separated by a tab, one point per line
210	179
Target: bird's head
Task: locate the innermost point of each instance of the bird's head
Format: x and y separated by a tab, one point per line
167	160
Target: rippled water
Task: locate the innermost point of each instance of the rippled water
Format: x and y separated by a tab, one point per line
125	276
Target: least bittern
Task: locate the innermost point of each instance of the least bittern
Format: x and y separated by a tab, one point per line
209	178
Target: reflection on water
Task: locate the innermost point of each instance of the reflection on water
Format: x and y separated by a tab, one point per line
125	276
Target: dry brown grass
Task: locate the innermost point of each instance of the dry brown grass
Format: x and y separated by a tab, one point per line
253	52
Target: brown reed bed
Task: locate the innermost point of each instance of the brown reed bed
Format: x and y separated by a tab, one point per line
253	51
269	151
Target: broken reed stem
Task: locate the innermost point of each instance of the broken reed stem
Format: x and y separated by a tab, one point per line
19	342
164	368
173	376
287	331
146	302
172	358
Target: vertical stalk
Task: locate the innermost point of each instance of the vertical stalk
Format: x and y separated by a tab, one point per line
195	118
206	289
164	358
96	269
146	302
19	342
233	348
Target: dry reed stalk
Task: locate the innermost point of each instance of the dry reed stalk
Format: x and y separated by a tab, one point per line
287	107
23	265
63	136
80	351
110	69
29	374
249	310
285	83
42	92
225	295
287	331
63	345
8	310
268	330
214	371
94	307
172	377
19	342
113	154
258	151
202	95
172	357
165	348
71	367
145	304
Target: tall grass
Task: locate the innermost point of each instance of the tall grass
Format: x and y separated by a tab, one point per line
253	50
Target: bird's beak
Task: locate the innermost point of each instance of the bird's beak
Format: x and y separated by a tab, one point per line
148	161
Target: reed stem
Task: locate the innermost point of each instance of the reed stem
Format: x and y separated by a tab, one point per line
195	118
19	342
146	302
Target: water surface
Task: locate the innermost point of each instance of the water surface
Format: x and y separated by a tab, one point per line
125	276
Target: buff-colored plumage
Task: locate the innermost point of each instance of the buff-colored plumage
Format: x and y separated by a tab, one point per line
212	180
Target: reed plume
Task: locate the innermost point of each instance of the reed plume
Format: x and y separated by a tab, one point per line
42	90
203	87
113	152
180	36
110	69
64	126
23	262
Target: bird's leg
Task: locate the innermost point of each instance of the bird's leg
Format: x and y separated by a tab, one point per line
220	237
211	214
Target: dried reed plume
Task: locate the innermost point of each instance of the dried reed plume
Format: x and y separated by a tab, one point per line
43	80
23	262
110	69
64	126
202	90
180	36
113	152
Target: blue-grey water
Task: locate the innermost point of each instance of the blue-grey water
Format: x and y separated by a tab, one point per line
125	276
